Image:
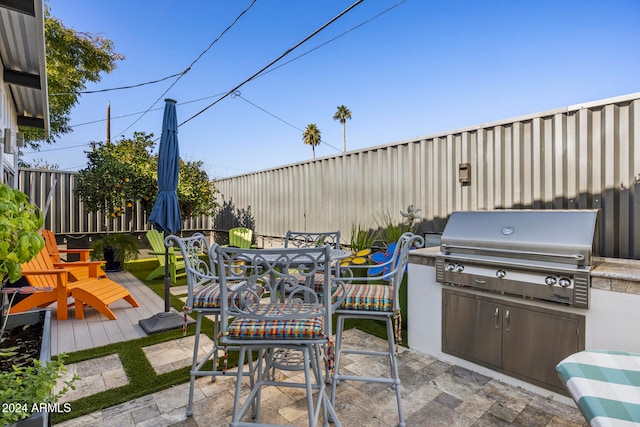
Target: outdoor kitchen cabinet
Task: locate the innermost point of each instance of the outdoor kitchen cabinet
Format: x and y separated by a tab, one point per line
522	340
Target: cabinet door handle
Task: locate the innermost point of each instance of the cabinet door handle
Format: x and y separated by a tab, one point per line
497	318
506	316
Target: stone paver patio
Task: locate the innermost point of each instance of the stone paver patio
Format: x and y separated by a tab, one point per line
434	393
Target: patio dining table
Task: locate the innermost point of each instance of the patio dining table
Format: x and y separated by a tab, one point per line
605	385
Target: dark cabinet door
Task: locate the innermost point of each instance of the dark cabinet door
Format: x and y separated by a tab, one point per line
520	340
534	343
472	329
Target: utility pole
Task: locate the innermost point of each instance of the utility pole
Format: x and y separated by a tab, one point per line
109	122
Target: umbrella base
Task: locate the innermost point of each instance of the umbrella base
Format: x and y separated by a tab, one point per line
163	321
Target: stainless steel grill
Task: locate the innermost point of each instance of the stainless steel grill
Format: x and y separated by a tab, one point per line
532	253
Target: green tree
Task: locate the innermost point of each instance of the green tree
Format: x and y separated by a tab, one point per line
343	114
73	59
311	136
122	173
118	175
196	193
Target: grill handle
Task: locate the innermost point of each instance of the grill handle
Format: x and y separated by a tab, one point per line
577	257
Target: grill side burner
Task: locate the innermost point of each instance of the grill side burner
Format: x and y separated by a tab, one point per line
538	254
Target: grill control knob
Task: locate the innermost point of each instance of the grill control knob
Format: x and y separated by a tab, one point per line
458	268
564	282
500	274
550	280
451	267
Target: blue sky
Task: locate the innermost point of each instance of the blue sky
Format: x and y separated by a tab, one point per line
423	67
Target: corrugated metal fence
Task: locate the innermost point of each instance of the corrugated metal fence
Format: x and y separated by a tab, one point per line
579	157
66	213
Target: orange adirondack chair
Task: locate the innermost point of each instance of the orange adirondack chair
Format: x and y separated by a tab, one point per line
77	269
55	285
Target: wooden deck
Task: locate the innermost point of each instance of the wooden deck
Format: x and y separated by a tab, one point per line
96	330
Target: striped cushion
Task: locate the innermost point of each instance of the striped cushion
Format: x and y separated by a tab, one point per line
275	327
366	297
605	384
209	296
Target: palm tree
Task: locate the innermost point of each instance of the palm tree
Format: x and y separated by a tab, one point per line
343	114
311	136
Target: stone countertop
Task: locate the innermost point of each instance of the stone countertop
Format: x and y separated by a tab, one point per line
616	268
611	274
424	256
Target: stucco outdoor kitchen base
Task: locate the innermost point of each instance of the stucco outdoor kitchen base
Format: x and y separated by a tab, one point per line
610	321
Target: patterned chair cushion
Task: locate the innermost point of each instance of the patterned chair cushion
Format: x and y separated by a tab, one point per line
277	328
365	297
209	296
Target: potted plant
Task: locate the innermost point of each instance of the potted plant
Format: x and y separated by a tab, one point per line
115	249
27	379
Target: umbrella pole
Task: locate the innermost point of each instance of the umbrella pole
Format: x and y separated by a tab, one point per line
168	319
167	281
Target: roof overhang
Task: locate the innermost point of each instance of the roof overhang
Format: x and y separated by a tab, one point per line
23	60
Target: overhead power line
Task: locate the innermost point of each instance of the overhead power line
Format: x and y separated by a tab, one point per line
238	95
190	66
122	116
263	74
121	87
227	93
333	39
288	51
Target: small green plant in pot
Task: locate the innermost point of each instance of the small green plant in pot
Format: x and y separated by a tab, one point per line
115	249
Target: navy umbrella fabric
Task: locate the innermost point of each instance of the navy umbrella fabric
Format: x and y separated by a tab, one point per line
165	215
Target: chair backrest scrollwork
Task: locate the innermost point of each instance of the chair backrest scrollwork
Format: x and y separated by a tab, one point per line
198	266
276	283
390	271
303	239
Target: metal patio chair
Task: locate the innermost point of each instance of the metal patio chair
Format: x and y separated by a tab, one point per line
372	292
291	316
203	298
302	239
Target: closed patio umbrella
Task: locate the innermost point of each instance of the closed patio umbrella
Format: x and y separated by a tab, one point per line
165	215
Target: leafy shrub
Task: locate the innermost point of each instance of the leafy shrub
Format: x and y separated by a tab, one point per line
20	239
362	238
390	231
25	388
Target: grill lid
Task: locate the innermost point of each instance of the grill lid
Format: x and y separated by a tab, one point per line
564	236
